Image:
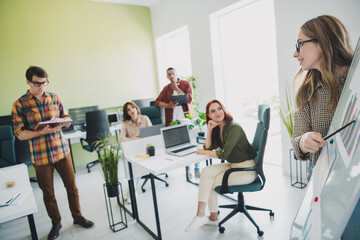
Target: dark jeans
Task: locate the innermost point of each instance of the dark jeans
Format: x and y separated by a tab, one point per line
45	177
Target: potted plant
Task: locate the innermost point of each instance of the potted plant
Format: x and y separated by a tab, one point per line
200	121
287	117
109	156
287	114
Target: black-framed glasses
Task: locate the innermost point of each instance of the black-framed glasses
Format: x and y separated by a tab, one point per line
38	84
298	45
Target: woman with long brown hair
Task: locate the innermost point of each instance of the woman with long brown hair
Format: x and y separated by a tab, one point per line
324	52
132	122
225	140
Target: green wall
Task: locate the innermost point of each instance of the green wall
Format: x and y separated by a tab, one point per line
95	53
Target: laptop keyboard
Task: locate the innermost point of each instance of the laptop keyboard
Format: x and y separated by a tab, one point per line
184	148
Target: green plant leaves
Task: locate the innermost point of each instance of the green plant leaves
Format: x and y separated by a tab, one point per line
287	114
109	159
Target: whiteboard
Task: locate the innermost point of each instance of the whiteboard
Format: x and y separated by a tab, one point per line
334	189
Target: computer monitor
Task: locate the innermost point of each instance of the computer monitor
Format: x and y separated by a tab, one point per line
78	115
113	117
146	102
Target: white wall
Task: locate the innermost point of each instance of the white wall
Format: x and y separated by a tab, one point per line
169	15
289	16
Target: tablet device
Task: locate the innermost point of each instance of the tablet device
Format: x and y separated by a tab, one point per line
182	99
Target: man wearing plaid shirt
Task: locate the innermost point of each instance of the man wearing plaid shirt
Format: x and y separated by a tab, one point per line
49	149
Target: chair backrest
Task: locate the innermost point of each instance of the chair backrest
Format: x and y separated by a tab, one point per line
260	137
22	152
154	113
7	146
97	126
22	148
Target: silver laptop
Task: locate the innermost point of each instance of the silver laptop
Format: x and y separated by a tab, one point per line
151	130
177	140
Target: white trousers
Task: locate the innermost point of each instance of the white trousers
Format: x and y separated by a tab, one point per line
211	177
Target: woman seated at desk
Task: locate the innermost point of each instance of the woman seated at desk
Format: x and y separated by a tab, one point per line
230	143
132	122
130	130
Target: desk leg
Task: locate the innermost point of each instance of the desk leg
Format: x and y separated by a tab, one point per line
188	179
134	204
32	227
135	214
156	210
72	158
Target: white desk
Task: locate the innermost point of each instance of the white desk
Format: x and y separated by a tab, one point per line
25	204
160	163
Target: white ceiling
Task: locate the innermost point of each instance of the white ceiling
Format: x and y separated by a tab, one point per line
146	3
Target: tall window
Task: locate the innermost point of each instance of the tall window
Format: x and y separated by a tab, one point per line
173	50
245	66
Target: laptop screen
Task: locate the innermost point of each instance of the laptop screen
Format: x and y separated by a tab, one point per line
151	130
176	136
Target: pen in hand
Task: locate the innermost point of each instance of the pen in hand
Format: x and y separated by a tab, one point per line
335	132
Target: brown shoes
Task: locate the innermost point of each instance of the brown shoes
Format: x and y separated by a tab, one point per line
54	233
83	222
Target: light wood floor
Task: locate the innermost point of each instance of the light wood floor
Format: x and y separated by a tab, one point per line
177	206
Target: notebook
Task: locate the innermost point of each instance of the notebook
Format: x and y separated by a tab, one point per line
177	140
151	131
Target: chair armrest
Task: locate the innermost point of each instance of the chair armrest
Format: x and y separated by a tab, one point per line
82	140
225	180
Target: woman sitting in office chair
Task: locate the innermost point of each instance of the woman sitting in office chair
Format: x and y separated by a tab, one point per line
130	130
132	122
225	140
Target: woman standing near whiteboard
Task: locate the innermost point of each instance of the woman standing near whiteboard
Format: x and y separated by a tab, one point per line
324	53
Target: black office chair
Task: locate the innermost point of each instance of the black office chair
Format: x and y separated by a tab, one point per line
7	146
154	114
22	148
258	144
23	154
97	126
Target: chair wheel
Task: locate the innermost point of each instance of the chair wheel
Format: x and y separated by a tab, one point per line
89	170
260	233
272	214
166	176
221	229
166	184
143	190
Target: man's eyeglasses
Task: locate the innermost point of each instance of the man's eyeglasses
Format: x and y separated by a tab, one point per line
298	45
38	84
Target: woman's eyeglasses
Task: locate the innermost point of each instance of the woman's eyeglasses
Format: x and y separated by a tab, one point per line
298	45
38	84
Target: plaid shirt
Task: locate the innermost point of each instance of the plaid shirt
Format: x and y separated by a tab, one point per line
27	112
314	117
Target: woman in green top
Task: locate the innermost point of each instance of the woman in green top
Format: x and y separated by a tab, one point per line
225	140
